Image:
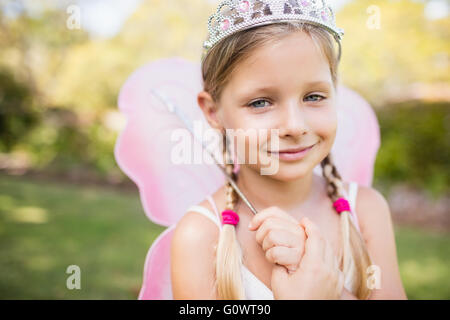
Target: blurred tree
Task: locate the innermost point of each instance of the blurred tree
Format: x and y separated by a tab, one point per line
158	29
416	146
17	113
35	45
406	48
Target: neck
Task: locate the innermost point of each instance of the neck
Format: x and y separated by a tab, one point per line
263	191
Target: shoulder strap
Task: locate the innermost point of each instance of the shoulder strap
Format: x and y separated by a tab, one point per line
353	190
207	213
213	204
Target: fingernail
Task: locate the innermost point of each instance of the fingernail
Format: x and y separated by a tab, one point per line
250	225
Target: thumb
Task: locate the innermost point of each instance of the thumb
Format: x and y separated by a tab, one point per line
279	271
309	226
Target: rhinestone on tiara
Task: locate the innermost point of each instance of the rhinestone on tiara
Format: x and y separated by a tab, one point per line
236	15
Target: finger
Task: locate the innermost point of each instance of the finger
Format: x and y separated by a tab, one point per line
287	257
311	229
274	212
277	237
279	273
312	232
276	224
267	225
314	244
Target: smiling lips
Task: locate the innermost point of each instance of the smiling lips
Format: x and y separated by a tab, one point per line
292	153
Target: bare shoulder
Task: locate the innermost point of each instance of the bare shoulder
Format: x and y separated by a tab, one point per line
193	248
372	209
194	221
370	195
378	232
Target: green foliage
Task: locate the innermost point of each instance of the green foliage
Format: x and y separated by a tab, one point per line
389	45
59	141
63	144
17	114
415	146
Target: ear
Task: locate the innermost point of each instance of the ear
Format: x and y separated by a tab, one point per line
210	109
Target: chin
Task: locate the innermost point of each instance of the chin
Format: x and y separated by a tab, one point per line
292	171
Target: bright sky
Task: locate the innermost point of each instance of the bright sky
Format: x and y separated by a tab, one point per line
104	18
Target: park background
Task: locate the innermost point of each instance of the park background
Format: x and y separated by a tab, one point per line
63	199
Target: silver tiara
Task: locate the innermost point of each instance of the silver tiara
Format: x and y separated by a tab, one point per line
236	15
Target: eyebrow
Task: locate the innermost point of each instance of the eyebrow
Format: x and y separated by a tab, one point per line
272	88
315	83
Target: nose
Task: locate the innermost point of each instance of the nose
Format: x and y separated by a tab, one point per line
293	121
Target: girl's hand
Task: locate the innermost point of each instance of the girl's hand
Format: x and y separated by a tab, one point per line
280	236
318	276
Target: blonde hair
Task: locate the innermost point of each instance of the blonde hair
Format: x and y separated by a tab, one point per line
217	69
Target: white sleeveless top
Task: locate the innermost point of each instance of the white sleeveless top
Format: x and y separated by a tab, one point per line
255	289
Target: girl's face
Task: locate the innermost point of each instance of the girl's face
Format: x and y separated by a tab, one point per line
287	86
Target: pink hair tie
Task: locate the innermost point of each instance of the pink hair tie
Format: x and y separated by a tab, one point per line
230	217
341	204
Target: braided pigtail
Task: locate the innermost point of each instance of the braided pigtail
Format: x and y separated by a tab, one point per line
354	249
229	254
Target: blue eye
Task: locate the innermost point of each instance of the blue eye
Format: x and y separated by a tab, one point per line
255	107
316	95
261	105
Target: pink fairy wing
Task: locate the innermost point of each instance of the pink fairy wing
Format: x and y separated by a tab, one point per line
167	189
357	137
157	283
143	149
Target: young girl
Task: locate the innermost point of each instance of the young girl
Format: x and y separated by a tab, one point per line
305	242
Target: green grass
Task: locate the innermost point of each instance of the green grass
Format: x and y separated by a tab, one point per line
45	227
424	261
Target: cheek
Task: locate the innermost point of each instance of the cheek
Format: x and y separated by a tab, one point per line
250	133
242	120
323	123
249	143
